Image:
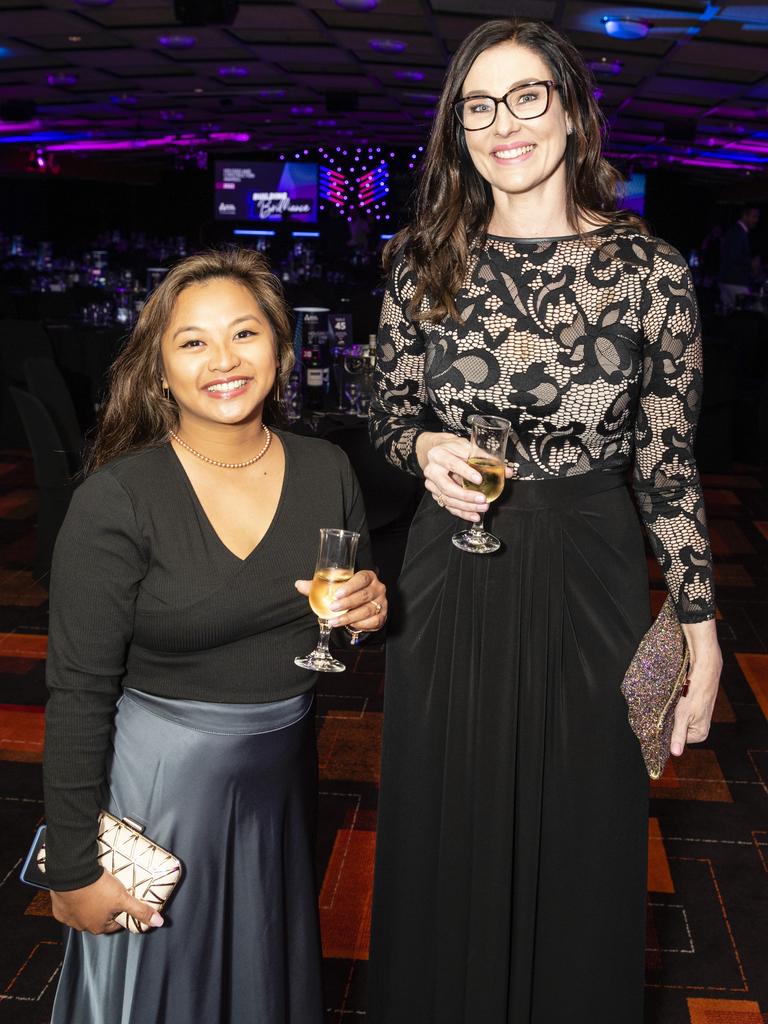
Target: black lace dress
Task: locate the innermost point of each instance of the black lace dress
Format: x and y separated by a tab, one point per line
510	877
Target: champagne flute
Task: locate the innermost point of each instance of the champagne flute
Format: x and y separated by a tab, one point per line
488	456
335	565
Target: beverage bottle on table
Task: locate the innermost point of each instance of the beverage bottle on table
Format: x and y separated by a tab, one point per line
313	383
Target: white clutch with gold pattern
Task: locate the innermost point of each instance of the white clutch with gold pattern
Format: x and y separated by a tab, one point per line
147	871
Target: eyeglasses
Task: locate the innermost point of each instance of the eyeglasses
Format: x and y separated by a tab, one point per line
523	102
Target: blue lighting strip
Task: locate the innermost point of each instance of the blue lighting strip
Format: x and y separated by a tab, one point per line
35	137
305	234
373	186
254	231
333	186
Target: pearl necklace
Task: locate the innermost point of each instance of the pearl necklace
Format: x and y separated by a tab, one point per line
225	465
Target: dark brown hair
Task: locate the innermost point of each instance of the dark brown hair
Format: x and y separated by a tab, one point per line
453	203
137	414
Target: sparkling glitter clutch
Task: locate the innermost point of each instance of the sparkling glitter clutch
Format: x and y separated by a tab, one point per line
655	681
147	871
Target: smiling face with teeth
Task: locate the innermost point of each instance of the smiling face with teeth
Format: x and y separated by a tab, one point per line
518	158
219	355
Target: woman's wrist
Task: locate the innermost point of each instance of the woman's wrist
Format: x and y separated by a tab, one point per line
427	440
701	638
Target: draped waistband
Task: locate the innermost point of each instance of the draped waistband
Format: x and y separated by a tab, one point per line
557	492
223	719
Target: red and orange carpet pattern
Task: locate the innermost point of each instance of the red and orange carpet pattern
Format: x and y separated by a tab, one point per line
707	956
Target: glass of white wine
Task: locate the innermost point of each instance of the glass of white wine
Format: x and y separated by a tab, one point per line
335	565
488	456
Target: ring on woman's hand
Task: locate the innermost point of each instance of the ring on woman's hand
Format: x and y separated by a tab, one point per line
354	634
440	500
376	605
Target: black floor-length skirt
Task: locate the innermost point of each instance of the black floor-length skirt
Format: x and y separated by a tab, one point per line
511	860
231	790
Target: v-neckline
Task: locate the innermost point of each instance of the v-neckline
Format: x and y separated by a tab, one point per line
212	530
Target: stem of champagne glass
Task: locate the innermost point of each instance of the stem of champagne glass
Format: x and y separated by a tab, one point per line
325	633
478	528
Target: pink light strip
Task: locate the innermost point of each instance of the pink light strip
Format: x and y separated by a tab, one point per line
118	145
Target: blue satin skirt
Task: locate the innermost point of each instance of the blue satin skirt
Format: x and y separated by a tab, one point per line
231	790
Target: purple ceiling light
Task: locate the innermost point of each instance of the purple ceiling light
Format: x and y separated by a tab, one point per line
409	75
19	126
176	41
271	93
387	45
230	137
233	72
357	5
62	78
186	140
617	26
302	111
606	66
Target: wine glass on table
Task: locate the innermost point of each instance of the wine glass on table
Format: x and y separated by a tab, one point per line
335	565
354	369
487	455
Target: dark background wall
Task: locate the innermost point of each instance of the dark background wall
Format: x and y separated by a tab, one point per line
74	207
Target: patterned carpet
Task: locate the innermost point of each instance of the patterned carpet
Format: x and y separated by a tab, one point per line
708	837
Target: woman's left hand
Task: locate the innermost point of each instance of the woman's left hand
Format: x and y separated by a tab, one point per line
694	711
360	603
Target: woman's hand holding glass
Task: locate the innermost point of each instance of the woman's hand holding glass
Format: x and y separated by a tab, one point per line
443	459
340	597
360	603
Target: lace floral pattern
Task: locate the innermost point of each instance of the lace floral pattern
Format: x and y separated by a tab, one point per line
591	347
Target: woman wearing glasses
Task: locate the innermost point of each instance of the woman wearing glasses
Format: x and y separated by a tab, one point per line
511	865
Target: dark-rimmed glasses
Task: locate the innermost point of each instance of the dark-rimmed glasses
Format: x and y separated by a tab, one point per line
523	102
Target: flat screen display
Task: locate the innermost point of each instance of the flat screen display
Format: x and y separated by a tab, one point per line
634	194
266	192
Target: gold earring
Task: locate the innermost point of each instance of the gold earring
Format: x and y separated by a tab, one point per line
166	389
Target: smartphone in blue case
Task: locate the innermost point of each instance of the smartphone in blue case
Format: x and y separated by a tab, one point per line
31	872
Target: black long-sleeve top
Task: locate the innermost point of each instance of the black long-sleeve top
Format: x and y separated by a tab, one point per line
591	347
145	595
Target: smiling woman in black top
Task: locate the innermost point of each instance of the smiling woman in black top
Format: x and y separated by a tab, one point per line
178	603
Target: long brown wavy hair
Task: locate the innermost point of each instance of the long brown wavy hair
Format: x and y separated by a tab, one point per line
137	414
453	203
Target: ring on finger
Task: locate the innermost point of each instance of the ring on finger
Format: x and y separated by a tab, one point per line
376	605
440	500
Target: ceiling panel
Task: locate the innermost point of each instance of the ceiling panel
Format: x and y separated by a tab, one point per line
701	70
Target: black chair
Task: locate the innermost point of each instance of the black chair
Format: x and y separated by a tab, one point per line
715	448
19	340
45	382
52	473
746	333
